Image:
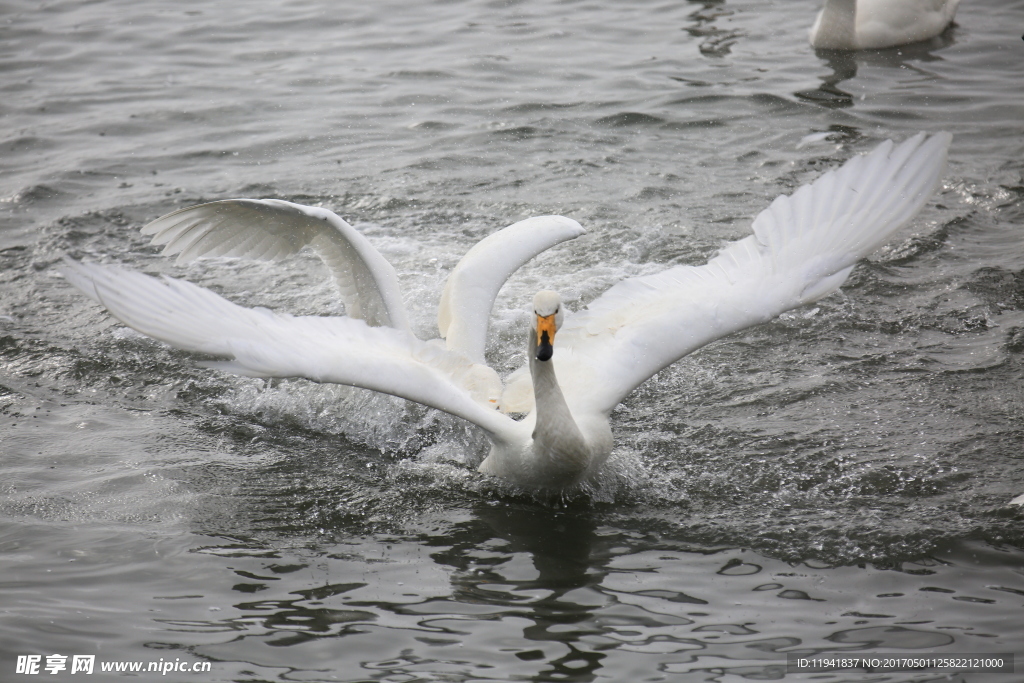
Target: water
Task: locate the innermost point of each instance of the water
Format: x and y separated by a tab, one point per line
837	480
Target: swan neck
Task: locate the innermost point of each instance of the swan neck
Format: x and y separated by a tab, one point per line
836	27
557	439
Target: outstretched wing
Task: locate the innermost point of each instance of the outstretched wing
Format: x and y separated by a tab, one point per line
261	343
473	284
803	248
270	229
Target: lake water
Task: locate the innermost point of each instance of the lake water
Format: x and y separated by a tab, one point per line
835	481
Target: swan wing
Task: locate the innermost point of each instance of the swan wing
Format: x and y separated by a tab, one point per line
270	229
260	343
473	284
803	248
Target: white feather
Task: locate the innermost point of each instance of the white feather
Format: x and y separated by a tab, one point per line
261	343
802	248
270	229
875	24
469	293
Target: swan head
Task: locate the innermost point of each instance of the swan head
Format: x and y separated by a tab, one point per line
547	318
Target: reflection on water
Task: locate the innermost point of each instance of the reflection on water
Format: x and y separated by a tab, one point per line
528	592
562	594
843	65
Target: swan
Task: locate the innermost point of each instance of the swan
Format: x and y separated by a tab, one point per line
873	24
580	365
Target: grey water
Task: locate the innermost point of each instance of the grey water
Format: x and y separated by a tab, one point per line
835	481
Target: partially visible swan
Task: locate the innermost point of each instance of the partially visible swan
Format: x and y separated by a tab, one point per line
580	366
872	24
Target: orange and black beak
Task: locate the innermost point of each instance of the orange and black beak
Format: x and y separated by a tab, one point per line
545	336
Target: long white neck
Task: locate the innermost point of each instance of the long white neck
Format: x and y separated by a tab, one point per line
558	444
836	27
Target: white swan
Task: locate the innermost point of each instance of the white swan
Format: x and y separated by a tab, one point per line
873	24
580	366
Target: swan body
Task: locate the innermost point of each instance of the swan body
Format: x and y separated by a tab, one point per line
874	24
580	366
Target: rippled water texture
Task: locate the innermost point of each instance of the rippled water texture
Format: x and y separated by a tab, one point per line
835	481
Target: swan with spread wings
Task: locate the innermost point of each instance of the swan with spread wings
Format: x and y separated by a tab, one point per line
580	365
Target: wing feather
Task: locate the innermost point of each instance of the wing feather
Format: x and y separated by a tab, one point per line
271	229
803	248
472	286
260	343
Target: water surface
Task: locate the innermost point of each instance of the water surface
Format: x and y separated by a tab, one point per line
835	481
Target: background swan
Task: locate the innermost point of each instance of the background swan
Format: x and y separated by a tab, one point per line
872	24
580	366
